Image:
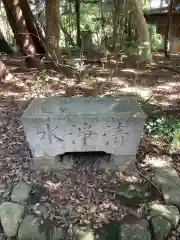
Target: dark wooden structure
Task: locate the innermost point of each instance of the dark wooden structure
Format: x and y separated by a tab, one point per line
159	17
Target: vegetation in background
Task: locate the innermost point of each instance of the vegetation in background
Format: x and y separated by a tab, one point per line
109	25
157	42
158	124
164	127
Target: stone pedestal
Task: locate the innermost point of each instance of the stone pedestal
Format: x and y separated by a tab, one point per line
57	125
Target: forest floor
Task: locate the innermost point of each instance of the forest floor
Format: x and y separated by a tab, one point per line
85	188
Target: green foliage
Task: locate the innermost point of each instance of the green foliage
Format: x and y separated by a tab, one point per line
88	12
175	146
158	123
155	38
163	127
145	4
150	109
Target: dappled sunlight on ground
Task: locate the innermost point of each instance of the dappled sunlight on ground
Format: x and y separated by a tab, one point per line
98	80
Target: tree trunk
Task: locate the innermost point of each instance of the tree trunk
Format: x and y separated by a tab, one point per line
32	26
103	28
4	46
18	25
166	37
78	35
53	30
21	34
114	21
142	30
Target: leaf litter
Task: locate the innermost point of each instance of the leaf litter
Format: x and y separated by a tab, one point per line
84	196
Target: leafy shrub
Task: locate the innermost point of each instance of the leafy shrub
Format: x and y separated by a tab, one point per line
164	127
158	123
155	38
148	106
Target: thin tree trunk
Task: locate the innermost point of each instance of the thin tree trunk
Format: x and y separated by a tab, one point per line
142	30
22	36
53	30
166	37
103	28
114	13
19	28
78	35
32	26
12	21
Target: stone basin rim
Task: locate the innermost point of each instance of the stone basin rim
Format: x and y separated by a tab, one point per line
132	112
120	116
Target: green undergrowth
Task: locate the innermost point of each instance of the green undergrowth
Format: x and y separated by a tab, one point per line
158	123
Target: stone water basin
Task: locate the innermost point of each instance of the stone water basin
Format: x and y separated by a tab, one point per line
57	125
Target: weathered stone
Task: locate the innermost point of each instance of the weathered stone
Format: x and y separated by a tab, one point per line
169	182
11	215
170	213
58	234
29	229
161	227
164	219
20	192
2	237
57	125
54	164
133	194
171	196
47	164
81	233
167	176
135	231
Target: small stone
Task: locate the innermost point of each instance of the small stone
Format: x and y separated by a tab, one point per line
20	192
135	231
171	196
11	216
58	234
81	233
169	182
161	227
164	219
170	213
167	176
29	229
